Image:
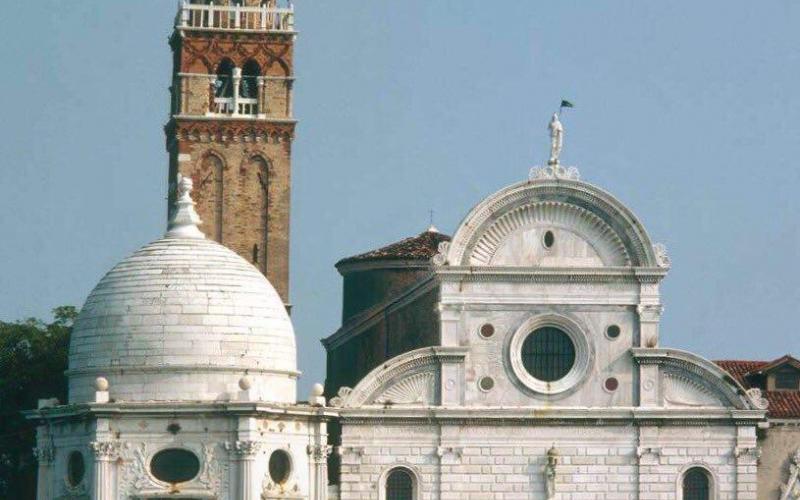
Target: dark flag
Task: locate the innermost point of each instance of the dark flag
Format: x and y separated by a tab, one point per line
566	104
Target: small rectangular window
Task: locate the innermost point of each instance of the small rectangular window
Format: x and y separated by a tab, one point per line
787	378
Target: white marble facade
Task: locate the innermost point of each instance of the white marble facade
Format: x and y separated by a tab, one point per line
628	419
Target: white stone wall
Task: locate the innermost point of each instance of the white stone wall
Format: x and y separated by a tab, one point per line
223	444
508	461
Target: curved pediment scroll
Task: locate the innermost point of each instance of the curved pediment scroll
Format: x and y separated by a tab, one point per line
571	205
688	380
412	378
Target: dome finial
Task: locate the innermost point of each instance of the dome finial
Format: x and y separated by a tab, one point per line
184	220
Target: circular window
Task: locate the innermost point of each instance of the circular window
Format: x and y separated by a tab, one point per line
280	466
611	384
548	354
487	330
613	331
486	384
175	465
76	468
549	239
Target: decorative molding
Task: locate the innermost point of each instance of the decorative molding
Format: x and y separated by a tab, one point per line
662	257
758	400
440	259
230	130
742	452
558	275
650	313
555	171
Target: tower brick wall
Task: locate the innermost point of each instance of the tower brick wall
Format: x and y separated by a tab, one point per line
236	144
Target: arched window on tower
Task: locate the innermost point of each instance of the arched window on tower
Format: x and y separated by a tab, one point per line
223	87
248	88
399	485
696	484
211	195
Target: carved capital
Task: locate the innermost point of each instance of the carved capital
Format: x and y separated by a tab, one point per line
650	312
753	452
319	452
243	449
105	450
45	454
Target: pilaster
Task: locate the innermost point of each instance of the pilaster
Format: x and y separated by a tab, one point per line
243	457
105	457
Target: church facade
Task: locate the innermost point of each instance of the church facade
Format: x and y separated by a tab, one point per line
520	358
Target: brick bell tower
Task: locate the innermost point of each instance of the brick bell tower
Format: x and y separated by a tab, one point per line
231	125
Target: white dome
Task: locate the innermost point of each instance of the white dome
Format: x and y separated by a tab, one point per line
183	319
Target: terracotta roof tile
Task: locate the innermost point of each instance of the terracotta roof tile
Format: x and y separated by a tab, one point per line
421	247
782	404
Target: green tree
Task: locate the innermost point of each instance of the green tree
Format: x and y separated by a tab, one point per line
33	358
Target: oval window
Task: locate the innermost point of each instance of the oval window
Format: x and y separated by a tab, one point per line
549	239
613	331
280	466
76	468
175	465
548	354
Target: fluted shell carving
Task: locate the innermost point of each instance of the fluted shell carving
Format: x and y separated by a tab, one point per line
683	391
415	389
440	259
578	220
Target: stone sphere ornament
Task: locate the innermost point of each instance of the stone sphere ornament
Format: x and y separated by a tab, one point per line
101	384
317	390
245	383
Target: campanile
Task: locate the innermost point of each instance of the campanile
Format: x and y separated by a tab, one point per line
231	124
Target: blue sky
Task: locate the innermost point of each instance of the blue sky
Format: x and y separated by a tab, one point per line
687	111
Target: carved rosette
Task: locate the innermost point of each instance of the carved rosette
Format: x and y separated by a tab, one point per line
243	449
105	450
45	454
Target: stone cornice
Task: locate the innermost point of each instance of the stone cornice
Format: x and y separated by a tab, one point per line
369	265
551	274
180	409
122	369
229	129
520	416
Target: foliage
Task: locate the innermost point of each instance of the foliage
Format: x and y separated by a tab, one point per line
33	358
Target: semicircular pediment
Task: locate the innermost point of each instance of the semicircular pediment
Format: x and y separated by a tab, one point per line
595	229
549	234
